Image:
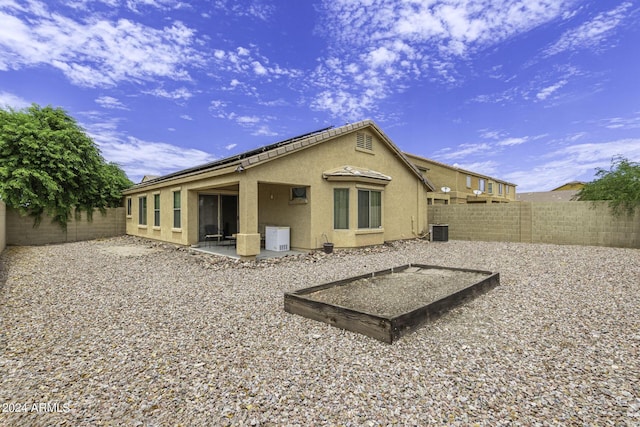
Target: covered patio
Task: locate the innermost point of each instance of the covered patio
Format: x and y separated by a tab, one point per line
229	251
232	217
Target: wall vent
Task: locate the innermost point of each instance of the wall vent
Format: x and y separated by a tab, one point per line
364	141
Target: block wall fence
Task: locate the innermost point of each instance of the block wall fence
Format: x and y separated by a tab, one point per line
571	223
3	226
565	223
20	230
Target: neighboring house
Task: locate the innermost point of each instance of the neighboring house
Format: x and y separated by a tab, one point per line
564	193
548	196
462	183
149	177
573	185
350	185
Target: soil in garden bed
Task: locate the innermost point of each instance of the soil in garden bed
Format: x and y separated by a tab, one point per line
393	294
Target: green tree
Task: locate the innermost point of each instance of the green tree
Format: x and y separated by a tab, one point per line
49	165
620	185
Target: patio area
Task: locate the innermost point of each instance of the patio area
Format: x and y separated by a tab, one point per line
227	249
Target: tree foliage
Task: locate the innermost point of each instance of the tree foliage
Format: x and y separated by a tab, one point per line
49	165
620	185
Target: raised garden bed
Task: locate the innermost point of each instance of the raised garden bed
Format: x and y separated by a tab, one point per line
390	303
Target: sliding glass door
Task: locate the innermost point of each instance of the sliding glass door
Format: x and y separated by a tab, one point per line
217	214
229	214
208	215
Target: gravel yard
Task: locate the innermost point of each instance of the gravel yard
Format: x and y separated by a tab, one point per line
131	332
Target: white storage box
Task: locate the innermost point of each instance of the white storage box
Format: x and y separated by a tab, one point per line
276	238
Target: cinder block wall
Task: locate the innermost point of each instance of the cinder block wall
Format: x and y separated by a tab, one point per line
3	226
584	223
575	223
489	222
20	230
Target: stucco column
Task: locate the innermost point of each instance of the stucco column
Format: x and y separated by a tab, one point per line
189	214
248	239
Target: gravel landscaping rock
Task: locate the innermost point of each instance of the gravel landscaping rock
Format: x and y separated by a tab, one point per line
127	331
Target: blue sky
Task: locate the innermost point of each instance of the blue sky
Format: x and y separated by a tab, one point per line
536	92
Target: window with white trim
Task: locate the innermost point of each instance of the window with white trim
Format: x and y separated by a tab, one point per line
468	181
369	209
142	210
156	210
341	208
500	189
128	206
176	210
481	185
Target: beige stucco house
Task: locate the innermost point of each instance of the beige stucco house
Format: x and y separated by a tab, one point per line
462	183
349	185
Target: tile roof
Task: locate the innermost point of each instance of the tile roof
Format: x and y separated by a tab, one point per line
268	152
456	168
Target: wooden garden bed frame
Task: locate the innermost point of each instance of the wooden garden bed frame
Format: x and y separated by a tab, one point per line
383	328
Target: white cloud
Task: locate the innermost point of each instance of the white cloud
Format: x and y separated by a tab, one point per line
186	117
264	131
462	151
547	91
576	136
137	6
512	141
381	57
13	101
95	52
572	162
506	96
258	68
491	134
538	89
352	107
230	146
593	33
274	103
110	102
384	44
437	23
220	109
623	123
247	120
254	9
178	94
488	167
601	151
138	157
248	61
